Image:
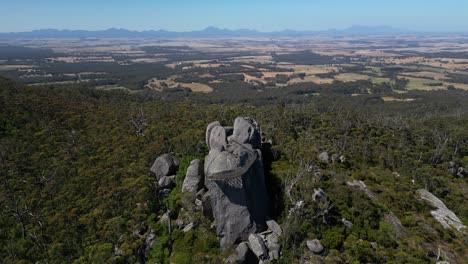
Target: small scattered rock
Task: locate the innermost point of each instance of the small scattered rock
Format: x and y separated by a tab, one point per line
165	217
335	158
374	245
324	157
187	228
347	223
315	246
342	159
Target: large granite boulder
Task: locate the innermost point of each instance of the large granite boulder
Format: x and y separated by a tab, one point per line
165	165
194	179
235	178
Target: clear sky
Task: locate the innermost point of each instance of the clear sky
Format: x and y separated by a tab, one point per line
186	15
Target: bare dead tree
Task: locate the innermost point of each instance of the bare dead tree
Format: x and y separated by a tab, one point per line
19	212
139	122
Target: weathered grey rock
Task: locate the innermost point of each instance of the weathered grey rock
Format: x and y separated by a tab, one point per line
200	194
347	223
273	226
324	157
167	182
257	246
187	228
272	238
393	220
165	165
208	131
236	182
247	131
374	245
442	262
315	246
243	255
218	139
194	179
273	255
443	215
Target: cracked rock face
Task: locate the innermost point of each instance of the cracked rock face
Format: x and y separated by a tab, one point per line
443	215
235	178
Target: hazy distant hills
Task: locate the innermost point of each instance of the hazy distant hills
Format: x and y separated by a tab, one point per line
207	32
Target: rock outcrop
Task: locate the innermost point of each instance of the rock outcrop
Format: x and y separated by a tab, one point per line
235	179
443	215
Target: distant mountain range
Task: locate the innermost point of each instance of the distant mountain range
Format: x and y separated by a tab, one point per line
207	32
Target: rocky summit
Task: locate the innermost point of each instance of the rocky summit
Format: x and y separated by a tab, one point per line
235	179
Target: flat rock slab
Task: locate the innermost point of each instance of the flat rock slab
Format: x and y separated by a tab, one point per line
443	215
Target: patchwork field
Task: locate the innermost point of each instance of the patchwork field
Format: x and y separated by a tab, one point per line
403	63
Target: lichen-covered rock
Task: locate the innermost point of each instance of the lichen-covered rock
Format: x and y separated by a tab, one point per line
165	165
194	179
315	246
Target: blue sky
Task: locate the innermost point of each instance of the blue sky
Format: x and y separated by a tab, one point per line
185	15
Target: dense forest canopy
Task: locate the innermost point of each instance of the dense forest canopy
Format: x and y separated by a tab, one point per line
75	185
